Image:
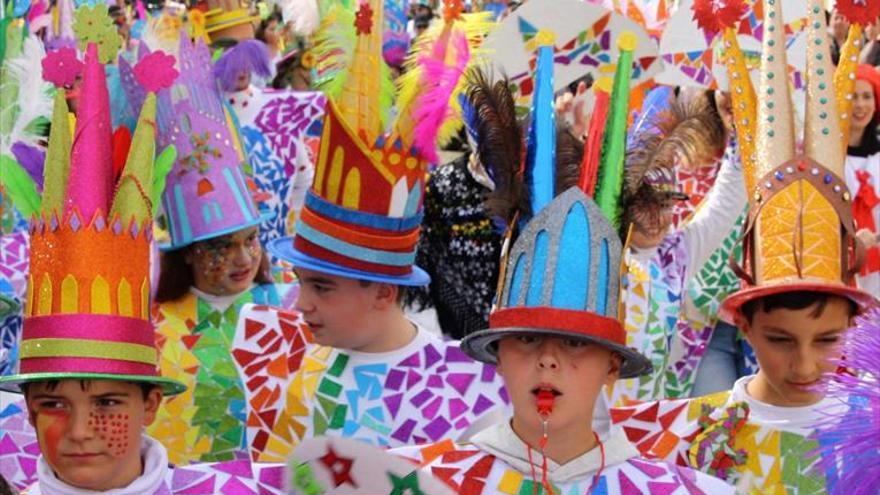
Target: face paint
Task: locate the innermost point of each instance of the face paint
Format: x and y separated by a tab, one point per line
51	425
218	254
112	429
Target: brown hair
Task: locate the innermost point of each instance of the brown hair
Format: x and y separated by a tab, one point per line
176	275
401	290
794	300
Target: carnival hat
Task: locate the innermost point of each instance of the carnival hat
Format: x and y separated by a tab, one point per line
206	193
88	311
562	275
799	234
362	216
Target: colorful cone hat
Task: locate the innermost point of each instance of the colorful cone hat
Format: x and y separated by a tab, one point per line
799	235
205	194
562	275
87	314
362	216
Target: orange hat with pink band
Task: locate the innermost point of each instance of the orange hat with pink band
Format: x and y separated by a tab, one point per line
88	300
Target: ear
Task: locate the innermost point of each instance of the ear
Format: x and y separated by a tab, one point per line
151	405
31	414
385	296
742	323
614	363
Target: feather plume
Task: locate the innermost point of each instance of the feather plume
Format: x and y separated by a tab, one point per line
411	84
34	95
850	439
302	14
688	133
500	143
440	80
334	46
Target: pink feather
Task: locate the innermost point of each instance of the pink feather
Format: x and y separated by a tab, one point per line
432	106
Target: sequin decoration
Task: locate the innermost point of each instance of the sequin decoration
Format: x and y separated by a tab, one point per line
207	422
422	393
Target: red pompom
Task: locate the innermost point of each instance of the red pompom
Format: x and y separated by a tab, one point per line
863	12
714	16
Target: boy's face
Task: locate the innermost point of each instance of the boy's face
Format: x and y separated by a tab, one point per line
90	430
573	370
794	348
338	310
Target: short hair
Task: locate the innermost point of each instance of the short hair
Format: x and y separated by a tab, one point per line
794	300
145	387
401	290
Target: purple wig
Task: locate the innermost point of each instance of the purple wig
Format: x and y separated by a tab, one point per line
246	56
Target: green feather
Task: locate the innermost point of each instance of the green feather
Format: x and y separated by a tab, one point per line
164	163
19	186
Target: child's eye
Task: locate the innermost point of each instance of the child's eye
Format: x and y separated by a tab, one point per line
51	405
108	402
527	339
833	339
576	343
778	340
320	289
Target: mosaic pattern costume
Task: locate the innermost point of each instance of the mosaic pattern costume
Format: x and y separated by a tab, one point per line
470	470
654	287
279	130
423	392
752	445
208	421
14	260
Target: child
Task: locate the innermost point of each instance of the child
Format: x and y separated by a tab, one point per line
556	341
88	367
800	259
374	375
213	265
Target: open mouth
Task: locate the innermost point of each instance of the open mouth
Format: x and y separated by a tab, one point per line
240	276
545	390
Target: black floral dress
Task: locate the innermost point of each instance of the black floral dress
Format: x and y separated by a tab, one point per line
459	248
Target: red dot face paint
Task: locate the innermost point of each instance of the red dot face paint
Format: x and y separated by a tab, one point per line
113	430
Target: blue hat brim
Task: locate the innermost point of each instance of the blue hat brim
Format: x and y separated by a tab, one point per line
283	248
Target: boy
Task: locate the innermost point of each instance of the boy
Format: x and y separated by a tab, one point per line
87	365
556	342
373	375
800	256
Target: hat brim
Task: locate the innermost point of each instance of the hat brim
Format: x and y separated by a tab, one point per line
479	346
283	248
263	216
732	305
12	383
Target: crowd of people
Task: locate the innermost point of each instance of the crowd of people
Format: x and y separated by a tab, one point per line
421	246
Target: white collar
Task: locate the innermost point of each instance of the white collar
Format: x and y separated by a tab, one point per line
501	441
801	419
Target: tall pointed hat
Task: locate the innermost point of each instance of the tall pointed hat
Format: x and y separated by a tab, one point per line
799	235
362	216
87	314
561	277
206	194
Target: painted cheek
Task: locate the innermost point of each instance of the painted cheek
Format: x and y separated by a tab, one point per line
51	426
113	430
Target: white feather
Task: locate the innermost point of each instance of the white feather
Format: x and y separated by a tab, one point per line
302	13
34	94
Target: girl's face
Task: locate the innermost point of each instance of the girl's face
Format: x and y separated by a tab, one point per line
863	105
227	264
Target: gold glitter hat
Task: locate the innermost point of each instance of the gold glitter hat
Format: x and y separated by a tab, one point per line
799	235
